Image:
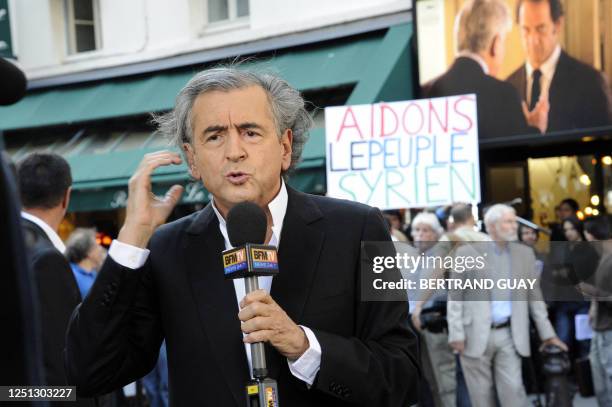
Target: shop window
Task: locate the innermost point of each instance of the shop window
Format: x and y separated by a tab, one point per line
82	26
219	11
556	178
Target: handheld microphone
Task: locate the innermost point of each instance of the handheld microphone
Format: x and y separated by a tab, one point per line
12	83
249	259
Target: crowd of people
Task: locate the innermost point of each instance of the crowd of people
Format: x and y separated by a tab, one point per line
473	353
477	355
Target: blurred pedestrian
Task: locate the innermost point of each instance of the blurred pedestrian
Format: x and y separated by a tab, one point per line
86	256
463	231
530	237
598	229
566	208
44	186
578	265
439	368
395	225
156	382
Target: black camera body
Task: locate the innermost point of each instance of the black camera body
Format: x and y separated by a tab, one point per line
433	318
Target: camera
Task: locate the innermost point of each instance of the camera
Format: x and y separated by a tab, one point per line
433	318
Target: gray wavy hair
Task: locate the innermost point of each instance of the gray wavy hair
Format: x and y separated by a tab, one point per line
286	103
80	242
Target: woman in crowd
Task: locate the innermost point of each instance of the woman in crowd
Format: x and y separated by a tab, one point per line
579	265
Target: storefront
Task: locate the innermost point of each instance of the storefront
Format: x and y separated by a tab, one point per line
545	169
102	127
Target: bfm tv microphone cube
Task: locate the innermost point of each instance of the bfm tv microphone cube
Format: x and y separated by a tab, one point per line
250	260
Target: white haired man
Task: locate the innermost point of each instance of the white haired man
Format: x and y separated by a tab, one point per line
491	333
241	132
480	35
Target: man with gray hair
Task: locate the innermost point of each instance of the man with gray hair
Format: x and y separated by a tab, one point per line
86	256
241	133
490	330
481	28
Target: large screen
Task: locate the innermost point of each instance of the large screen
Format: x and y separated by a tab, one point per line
534	67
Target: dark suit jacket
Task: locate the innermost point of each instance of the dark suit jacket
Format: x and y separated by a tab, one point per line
368	353
21	353
498	104
579	95
58	295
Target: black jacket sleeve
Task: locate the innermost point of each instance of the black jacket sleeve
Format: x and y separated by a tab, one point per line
114	336
379	365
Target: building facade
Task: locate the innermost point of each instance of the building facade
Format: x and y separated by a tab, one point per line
97	69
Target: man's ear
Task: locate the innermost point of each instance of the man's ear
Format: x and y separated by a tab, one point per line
190	155
495	44
66	199
287	148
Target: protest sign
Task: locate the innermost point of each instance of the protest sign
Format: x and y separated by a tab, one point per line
417	153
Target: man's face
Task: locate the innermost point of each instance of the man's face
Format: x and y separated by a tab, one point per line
394	221
529	236
565	211
97	254
506	228
539	34
236	150
571	234
424	236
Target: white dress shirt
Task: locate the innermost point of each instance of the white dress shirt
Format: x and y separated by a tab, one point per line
548	72
306	367
51	234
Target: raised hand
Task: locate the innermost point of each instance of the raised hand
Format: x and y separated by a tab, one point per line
538	117
145	211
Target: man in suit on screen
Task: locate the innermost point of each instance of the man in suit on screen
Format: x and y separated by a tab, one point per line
578	95
241	132
480	35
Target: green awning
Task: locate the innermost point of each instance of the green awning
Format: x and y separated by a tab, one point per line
379	66
308	68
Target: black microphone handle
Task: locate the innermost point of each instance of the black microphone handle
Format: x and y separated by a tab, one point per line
258	352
